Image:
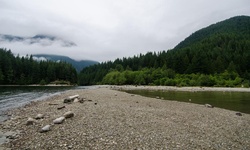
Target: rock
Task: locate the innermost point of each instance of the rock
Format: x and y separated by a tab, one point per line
69	114
58	108
157	97
209	106
76	100
59	120
30	121
45	129
81	100
39	116
238	114
11	135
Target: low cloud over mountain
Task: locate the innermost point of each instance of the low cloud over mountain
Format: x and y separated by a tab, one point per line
42	40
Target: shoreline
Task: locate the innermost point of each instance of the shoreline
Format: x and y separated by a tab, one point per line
47	85
111	119
174	88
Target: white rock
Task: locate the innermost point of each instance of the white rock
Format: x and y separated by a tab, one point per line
45	129
59	120
39	116
209	106
30	121
76	100
69	114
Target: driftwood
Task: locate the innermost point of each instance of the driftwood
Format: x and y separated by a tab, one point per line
60	107
53	104
70	99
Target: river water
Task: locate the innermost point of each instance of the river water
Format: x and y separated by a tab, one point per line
16	96
236	101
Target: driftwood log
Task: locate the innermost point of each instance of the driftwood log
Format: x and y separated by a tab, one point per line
70	99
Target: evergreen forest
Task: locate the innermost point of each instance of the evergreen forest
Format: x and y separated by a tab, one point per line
218	55
16	70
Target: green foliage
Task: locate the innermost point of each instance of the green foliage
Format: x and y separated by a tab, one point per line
42	82
24	70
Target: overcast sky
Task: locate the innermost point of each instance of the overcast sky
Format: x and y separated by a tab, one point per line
108	29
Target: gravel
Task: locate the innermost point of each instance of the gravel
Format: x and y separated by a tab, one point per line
110	119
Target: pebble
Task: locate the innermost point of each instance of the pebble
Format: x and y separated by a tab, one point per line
39	116
45	129
76	100
30	121
69	114
209	106
59	120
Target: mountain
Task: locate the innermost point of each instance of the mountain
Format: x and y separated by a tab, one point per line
79	65
41	39
217	55
239	25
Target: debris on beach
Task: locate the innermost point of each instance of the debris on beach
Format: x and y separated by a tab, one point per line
61	107
70	99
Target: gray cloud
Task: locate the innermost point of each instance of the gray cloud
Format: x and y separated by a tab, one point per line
42	40
105	30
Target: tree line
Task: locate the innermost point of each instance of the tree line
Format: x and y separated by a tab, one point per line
218	55
16	70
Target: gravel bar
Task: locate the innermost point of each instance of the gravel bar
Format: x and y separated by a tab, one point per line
111	119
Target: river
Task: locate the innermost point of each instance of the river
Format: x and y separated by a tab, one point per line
236	101
16	96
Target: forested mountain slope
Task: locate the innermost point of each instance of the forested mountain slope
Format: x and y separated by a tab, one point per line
218	55
79	65
16	70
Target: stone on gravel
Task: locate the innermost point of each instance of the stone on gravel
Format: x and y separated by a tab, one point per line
209	106
45	129
238	114
81	100
69	114
76	100
39	116
30	121
59	120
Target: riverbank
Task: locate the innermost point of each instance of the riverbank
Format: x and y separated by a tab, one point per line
111	119
174	88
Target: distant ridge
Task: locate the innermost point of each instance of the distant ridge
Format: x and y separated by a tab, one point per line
235	25
79	65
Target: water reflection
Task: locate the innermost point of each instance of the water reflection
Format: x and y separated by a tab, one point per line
237	101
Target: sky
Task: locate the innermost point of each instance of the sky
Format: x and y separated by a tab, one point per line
104	30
